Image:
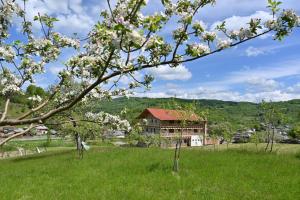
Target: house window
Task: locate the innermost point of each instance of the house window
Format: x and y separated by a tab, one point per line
195	130
171	130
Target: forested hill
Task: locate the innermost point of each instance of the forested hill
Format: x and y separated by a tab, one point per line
237	113
243	113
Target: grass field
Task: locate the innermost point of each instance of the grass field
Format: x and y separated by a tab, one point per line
138	173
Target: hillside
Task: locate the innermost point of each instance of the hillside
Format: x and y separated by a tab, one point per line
238	113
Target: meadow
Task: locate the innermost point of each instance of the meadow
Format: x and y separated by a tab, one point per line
146	173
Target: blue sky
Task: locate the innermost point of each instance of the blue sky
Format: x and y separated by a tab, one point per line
260	69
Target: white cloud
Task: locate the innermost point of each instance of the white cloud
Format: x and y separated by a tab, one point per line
294	89
264	50
224	8
275	71
237	22
253	51
225	95
164	72
74	16
261	81
261	84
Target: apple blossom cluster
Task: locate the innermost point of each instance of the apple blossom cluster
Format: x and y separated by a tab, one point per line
44	48
7	53
35	98
108	120
223	44
209	36
9	83
7	10
64	41
84	66
21	60
31	67
197	49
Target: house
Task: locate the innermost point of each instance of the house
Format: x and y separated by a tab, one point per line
169	125
114	134
41	130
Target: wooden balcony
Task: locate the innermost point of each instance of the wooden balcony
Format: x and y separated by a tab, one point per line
184	134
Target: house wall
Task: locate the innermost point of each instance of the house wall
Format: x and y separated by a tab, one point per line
152	125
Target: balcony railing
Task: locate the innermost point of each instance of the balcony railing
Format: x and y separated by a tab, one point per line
184	134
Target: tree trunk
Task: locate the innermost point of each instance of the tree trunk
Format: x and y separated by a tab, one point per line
256	146
268	142
273	134
175	164
79	145
177	152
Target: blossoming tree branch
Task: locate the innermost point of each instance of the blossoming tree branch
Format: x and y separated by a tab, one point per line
122	43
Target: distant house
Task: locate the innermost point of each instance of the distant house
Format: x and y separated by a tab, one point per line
114	134
41	130
168	124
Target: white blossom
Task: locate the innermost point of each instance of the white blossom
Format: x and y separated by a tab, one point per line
245	34
35	98
222	44
290	14
271	24
136	37
234	34
209	36
9	83
7	53
66	41
198	49
106	119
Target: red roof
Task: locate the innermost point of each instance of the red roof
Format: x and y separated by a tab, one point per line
165	114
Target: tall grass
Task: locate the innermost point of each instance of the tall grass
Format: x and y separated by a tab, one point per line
134	173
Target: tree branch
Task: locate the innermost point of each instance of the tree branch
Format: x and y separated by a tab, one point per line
16	135
5	110
103	79
62	108
43	104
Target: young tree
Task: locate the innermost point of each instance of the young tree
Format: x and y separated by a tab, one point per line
227	132
185	112
272	118
295	132
122	43
221	130
90	125
255	138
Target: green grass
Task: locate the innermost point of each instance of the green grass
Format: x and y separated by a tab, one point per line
278	148
32	144
137	173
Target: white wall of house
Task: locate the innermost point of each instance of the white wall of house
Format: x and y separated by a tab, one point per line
196	141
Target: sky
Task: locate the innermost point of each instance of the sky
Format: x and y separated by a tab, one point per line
256	70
